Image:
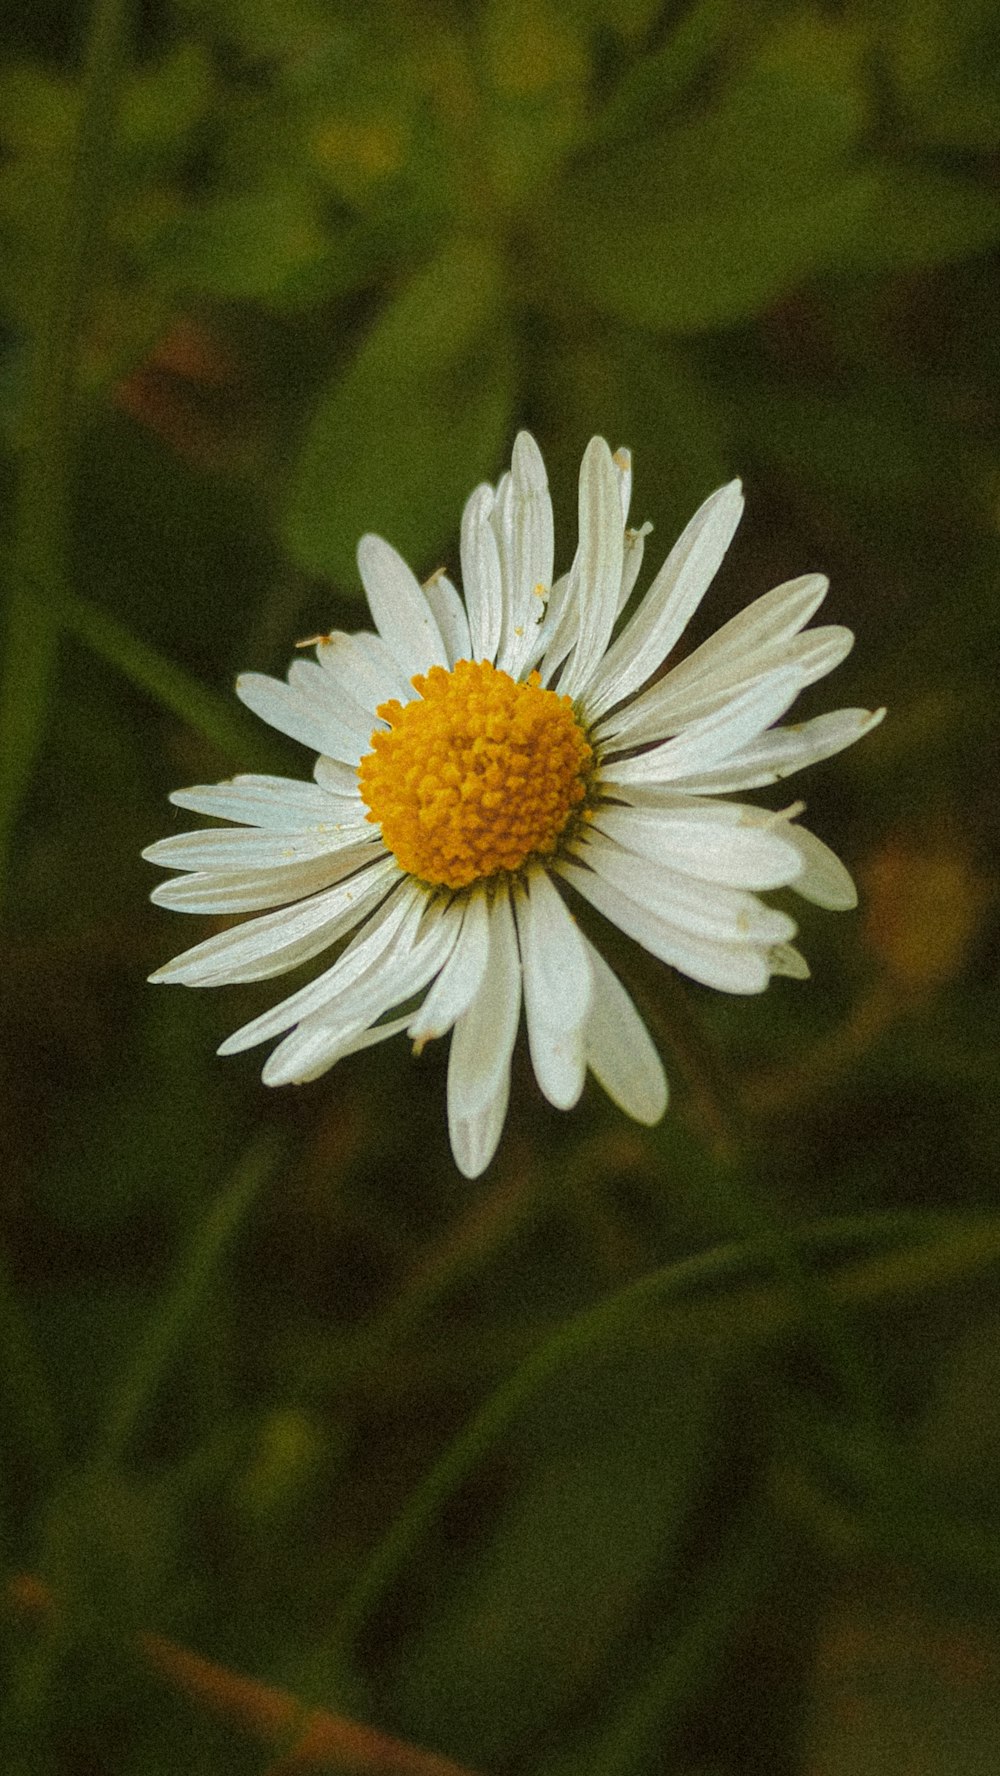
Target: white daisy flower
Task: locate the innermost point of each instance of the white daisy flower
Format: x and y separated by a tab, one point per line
481	754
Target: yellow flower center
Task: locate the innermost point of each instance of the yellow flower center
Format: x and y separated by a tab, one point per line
476	775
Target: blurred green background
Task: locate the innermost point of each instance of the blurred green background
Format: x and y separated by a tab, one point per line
654	1451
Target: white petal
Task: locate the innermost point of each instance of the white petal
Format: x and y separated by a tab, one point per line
449	614
781	751
751	642
620	1051
248	891
633	549
239	848
461	977
481	578
281	803
475	1137
706	909
401	612
672	599
350	1045
712	844
484	1035
596	575
323	691
824	880
522	522
403	970
557	989
336	778
366	680
734	968
286	709
280	940
677	701
705	743
391	928
622	460
786	959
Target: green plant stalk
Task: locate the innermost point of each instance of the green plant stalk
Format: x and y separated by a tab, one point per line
170	1323
224	725
722	1266
40	565
24	1389
689	1655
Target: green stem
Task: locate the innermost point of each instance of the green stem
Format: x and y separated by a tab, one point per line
166	1331
41	537
722	1266
25	1388
690	1656
203	710
746	1216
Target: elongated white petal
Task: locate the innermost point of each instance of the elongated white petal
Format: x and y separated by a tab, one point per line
557	989
706	909
622	459
670	706
671	601
285	708
710	844
484	1035
461	977
475	1136
450	616
596	575
369	679
781	751
232	848
401	612
750	641
705	743
249	891
823	880
324	692
391	929
337	779
633	550
620	1051
522	523
316	1041
338	1049
786	959
280	940
733	968
281	803
481	577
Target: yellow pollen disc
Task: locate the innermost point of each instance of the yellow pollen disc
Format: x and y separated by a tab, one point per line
476	775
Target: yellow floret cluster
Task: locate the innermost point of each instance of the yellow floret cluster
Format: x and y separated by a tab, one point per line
476	775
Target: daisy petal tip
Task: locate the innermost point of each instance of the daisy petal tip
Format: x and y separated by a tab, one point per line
652	1112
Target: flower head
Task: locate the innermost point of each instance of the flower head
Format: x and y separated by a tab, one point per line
480	755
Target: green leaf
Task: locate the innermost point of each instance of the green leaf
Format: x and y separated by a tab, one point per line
716	219
421	413
165	101
613	1457
945	58
252	245
649	92
171	1320
915	216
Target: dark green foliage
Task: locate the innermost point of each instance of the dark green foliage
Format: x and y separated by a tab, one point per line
669	1450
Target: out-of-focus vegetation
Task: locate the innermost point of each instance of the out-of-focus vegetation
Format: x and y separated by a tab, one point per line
670	1450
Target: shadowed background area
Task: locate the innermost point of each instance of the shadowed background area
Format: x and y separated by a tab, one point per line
653	1450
